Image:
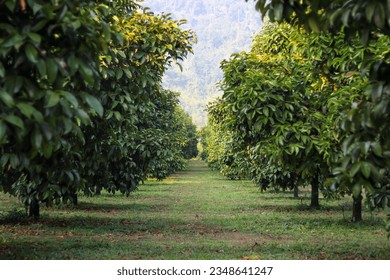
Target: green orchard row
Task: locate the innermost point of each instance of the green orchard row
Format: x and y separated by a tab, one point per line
81	103
307	105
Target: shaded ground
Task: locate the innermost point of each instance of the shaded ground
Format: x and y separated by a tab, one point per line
196	214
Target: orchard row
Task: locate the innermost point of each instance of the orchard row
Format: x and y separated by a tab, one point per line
308	105
81	102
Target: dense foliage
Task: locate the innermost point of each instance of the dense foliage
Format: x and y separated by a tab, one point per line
364	162
81	102
179	143
281	107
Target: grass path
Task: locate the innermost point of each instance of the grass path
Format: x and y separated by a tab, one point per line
196	214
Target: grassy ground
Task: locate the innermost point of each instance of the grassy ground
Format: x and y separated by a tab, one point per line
196	214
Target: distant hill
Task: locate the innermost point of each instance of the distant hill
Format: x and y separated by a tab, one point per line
223	27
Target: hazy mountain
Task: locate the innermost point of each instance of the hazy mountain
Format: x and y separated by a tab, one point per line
222	27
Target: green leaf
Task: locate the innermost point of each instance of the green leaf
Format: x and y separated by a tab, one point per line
280	140
15	41
41	65
36	139
26	109
6	98
11	4
334	16
118	115
314	24
144	81
35	6
128	73
355	168
71	98
35	37
4	160
40	25
119	74
68	125
2	70
278	12
52	70
52	99
31	53
73	64
70	175
3	130
86	72
375	90
83	116
366	169
357	190
370	9
61	16
266	111
38	116
12	119
377	149
365	147
76	24
13	83
345	17
14	160
379	16
47	150
47	131
95	104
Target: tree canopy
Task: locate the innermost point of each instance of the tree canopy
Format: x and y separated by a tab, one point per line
82	107
281	107
364	162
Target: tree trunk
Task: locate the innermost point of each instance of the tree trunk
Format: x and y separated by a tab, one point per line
33	211
296	191
74	198
294	186
314	203
357	208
